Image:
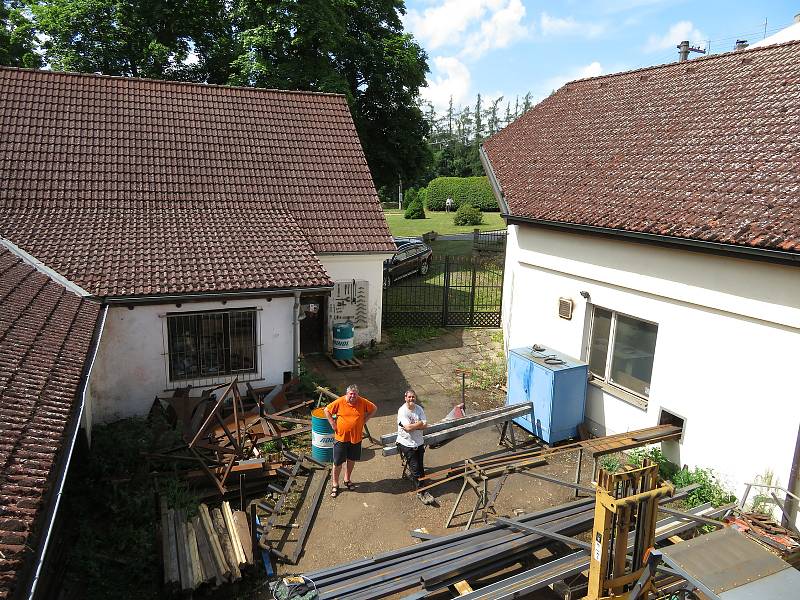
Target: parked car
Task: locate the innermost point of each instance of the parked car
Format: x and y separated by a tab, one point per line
412	256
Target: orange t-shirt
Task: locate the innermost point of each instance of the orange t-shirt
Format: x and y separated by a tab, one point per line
350	419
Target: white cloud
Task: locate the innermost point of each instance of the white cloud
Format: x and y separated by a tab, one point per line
502	28
569	26
593	69
452	79
444	24
470	27
683	30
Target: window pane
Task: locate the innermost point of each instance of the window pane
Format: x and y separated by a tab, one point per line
634	349
212	344
243	335
598	349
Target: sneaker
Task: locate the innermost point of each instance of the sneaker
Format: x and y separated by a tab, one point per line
426	498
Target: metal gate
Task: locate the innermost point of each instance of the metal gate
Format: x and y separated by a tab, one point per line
457	291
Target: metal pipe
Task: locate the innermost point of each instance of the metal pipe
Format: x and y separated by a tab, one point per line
296	335
793	485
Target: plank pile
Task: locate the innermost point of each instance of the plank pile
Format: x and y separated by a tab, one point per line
210	548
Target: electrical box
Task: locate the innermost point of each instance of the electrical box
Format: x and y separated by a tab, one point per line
556	385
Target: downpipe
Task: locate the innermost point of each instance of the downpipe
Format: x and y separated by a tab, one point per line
296	335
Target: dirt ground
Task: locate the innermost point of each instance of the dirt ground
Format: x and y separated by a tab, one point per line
381	512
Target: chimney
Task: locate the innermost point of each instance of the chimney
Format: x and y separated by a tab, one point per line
740	45
683	51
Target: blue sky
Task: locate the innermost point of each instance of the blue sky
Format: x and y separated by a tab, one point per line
510	47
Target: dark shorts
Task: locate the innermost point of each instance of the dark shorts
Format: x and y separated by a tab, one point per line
343	451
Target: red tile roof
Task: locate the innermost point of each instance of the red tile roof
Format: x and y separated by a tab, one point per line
706	150
155	248
45	337
82	153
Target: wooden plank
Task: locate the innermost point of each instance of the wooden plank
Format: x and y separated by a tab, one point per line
463	588
198	576
243	528
204	551
183	551
169	550
220	564
225	542
233	533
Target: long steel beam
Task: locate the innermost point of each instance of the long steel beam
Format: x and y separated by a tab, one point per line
456	428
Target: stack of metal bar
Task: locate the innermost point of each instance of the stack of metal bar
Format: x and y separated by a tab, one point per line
435	564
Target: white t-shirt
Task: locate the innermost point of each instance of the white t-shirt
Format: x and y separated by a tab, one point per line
411	439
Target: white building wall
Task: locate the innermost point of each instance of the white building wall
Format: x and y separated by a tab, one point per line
131	368
368	267
727	349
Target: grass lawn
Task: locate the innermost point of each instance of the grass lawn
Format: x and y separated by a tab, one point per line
441	222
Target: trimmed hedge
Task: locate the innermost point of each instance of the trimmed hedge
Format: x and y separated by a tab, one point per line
414	206
463	190
468	215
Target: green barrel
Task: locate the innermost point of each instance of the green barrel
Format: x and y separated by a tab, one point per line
343	341
321	436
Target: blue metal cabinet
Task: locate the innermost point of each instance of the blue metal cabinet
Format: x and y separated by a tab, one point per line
556	385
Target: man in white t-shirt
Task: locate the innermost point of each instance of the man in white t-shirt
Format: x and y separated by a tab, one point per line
411	422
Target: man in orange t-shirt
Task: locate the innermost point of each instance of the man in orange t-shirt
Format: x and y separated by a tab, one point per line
352	412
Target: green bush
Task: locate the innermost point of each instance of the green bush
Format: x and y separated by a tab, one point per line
423	196
666	468
414	206
468	215
710	490
463	190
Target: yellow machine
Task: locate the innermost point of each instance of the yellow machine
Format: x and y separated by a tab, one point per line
624	516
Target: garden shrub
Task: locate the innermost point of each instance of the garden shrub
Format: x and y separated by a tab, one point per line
468	215
414	206
463	190
423	196
711	488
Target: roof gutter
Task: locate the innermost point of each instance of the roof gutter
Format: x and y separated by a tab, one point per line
66	459
162	298
764	254
496	188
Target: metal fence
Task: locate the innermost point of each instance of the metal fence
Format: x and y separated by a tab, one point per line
490	241
457	291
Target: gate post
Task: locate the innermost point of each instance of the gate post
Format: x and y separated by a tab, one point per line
473	261
446	289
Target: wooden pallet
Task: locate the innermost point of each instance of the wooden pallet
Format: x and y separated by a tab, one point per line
352	363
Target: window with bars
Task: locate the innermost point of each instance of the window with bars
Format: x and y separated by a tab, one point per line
622	350
212	343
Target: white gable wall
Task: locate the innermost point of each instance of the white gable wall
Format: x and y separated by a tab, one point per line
359	267
131	370
727	348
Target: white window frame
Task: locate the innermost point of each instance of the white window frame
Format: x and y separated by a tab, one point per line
253	374
606	380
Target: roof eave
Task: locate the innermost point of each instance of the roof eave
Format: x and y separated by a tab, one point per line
719	248
222	295
496	187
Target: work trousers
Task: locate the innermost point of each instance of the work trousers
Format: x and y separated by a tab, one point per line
413	458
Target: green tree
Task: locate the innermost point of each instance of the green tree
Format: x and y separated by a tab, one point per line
17	37
353	47
149	38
